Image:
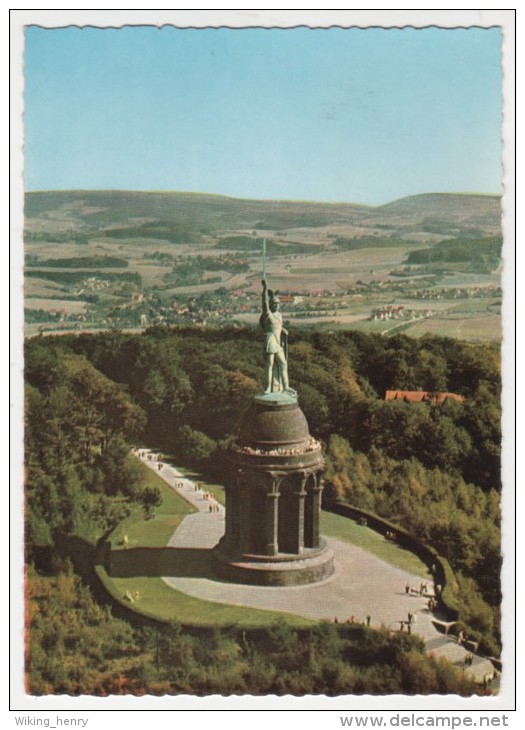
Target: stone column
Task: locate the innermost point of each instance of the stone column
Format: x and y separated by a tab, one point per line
229	507
313	511
245	527
300	495
272	518
316	510
233	516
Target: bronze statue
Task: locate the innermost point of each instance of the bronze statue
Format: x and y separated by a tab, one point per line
275	343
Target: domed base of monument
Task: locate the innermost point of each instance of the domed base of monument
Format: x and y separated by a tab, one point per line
273	499
312	566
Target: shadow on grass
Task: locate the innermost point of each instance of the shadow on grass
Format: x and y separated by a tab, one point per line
161	563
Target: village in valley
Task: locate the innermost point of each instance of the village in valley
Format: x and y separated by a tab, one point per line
227	307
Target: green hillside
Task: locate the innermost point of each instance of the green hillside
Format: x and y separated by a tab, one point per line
200	213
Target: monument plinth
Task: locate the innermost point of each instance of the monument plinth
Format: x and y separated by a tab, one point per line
273	498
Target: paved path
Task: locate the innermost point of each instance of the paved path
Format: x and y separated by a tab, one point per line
187	488
362	585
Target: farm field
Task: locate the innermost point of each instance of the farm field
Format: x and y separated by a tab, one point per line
335	269
474	329
131	260
69	306
41	288
473	320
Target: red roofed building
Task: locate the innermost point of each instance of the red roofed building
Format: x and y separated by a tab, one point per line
422	396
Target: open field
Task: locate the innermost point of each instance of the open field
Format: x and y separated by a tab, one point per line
327	270
178	272
473	329
41	288
334	270
233	282
468	319
69	306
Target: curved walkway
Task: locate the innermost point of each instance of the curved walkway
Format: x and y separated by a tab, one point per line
363	587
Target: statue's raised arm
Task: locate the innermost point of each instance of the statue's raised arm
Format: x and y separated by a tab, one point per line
265	298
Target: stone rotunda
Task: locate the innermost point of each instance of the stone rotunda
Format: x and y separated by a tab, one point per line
273	499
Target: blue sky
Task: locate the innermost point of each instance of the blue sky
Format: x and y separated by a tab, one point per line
365	116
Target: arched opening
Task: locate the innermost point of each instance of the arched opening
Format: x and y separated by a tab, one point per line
288	521
311	513
258	506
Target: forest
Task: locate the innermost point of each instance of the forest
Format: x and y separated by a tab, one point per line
352	244
75	277
432	469
481	253
79	262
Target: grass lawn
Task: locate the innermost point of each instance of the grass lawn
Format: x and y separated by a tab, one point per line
347	530
167	516
157	600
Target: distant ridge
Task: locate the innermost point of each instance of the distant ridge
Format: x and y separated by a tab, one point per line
213	213
442	202
409	200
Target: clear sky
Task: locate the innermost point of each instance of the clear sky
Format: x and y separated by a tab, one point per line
365	116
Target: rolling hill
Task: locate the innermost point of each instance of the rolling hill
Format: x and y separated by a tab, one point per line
176	216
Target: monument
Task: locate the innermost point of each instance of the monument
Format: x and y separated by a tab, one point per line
273	494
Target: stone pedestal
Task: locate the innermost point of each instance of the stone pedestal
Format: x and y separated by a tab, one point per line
273	499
